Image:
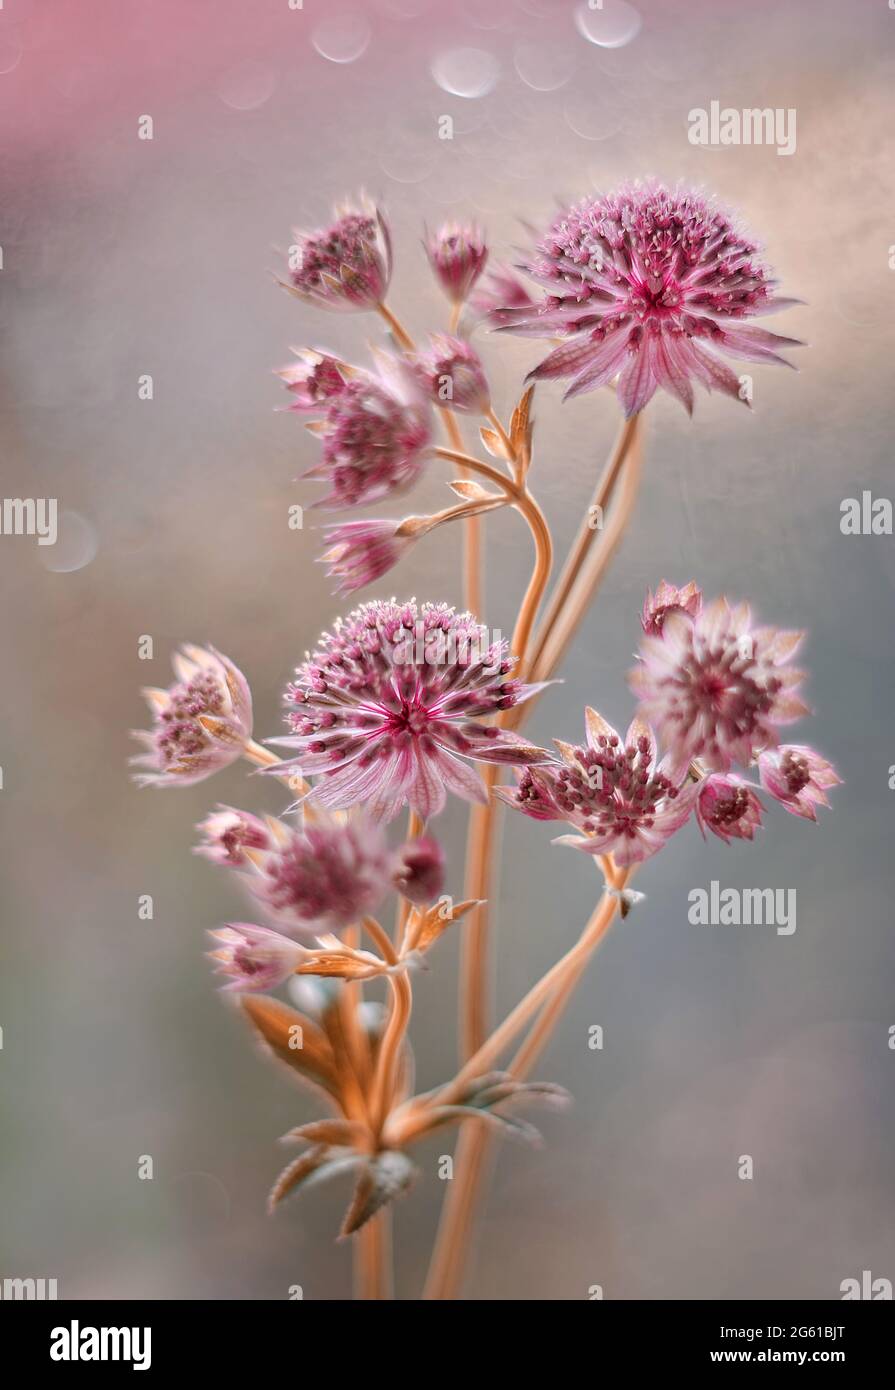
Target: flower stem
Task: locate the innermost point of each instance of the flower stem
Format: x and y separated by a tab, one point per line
581	596
389	1048
402	337
258	754
587	532
472	531
577	587
455	1228
483	818
372	1259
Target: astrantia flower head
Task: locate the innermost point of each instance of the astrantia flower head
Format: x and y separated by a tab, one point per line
797	777
361	552
715	687
389	708
347	265
457	254
669	599
611	790
324	876
202	722
452	375
374	434
313	380
254	957
229	833
728	807
650	284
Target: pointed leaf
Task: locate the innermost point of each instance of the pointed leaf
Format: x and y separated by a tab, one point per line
471	491
315	1166
383	1178
341	1133
511	1128
293	1039
438	918
494	444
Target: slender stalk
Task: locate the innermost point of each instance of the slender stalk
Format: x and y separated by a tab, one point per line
484	470
455	1227
474	942
472	530
456	1222
472	563
373	1259
402	337
402	913
257	753
483	818
598	562
553	1010
587	532
389	1048
575	958
539	578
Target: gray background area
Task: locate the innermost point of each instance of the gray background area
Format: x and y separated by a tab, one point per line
124	257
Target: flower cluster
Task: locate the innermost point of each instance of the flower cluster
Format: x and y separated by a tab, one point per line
310	881
375	427
717	689
649	284
612	790
457	255
347	265
400	703
390	709
201	722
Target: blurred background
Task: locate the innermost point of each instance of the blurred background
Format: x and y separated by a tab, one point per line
124	257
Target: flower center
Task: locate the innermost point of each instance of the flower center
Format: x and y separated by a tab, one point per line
794	769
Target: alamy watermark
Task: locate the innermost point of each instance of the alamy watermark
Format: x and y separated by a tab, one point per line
733	907
749	126
30	516
432	646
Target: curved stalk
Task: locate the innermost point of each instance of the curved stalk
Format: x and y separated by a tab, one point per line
455	1227
584	591
389	1048
586	532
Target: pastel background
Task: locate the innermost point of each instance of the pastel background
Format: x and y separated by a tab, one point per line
123	257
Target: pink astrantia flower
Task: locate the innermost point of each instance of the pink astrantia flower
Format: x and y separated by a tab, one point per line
374	434
347	265
715	687
325	876
728	807
452	375
254	957
419	873
202	722
457	254
650	284
313	380
361	552
389	708
229	833
611	790
667	599
797	777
